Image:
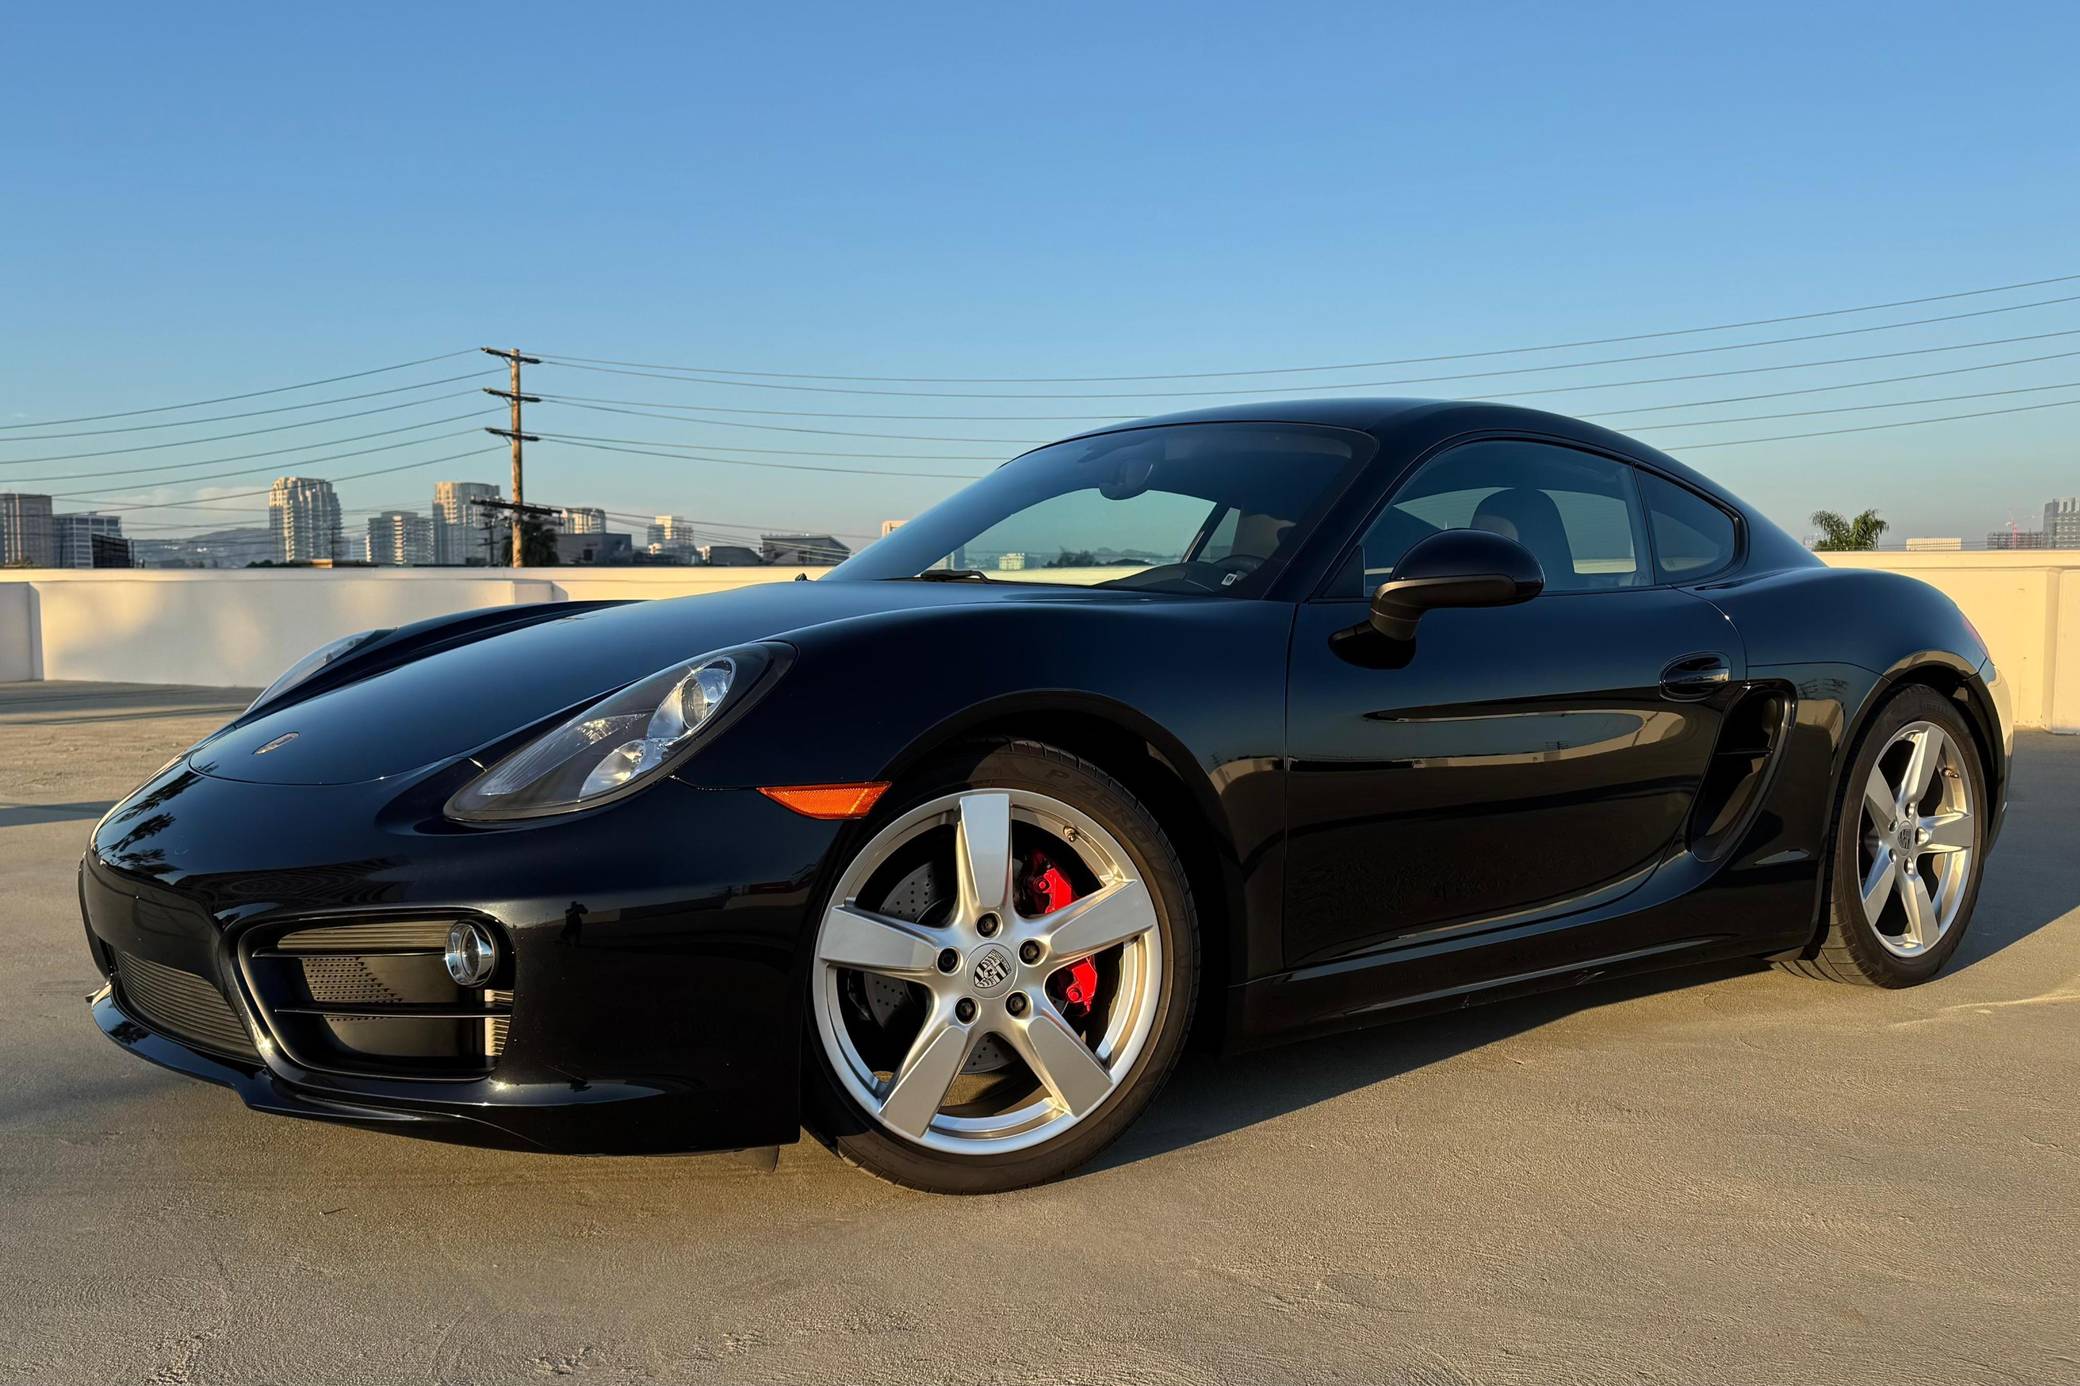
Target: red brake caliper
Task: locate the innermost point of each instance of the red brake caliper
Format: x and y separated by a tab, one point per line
1046	890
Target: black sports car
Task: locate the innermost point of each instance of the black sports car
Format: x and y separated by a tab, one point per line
1248	723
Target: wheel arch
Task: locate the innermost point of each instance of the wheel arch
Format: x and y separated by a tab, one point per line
1944	673
1157	769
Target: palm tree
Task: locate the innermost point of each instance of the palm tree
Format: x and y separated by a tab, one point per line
1837	534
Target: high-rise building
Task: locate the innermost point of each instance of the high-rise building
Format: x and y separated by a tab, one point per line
73	546
671	536
460	528
25	530
400	538
889	527
303	516
2015	539
583	519
671	529
2062	523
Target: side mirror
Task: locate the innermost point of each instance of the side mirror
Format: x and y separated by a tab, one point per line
1458	567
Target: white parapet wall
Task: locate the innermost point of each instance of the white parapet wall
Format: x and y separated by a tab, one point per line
241	627
2026	604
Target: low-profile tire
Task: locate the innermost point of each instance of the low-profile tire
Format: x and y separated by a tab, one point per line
946	1046
1915	793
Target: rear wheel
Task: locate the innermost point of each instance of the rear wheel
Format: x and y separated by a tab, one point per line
1003	974
1909	839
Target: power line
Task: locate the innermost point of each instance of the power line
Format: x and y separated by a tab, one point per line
250	394
1758	370
791	452
1855	408
1871	428
248	471
1824	389
225	437
580	401
107	506
781	428
776	466
247	413
272	452
1399	361
1406	380
809	414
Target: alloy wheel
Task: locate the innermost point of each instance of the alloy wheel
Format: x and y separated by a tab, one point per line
1916	839
940	994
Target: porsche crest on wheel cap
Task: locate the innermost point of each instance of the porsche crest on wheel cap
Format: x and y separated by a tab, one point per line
992	969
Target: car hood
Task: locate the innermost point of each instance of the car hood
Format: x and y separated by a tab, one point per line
461	699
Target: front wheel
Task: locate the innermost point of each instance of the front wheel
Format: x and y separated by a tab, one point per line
1002	976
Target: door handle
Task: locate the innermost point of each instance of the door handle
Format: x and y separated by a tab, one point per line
1695	676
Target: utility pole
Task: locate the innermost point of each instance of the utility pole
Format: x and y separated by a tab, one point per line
520	511
514	359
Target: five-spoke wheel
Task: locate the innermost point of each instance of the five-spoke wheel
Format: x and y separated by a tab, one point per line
1917	838
994	966
1907	844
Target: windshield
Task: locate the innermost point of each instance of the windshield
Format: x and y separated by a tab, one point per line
1188	508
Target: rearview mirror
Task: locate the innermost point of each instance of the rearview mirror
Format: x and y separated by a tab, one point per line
1458	567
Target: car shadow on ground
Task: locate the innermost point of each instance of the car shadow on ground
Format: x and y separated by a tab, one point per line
22	815
1211	1095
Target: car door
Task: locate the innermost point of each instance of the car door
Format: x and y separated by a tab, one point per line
1510	763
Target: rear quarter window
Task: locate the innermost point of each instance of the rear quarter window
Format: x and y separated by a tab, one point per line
1693	538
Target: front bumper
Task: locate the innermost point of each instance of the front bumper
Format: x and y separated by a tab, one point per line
654	947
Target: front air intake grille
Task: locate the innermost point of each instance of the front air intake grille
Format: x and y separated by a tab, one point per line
184	1004
375	997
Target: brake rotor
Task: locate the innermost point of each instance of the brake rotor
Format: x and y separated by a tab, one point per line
924	896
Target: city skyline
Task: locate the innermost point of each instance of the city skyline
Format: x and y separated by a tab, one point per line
920	216
302	507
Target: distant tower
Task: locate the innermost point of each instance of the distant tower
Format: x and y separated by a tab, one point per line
458	526
25	531
2062	523
584	519
671	536
400	539
303	516
74	536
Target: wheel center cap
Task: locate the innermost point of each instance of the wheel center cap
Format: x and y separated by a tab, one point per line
992	969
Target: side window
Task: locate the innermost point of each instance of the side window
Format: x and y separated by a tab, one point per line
1576	512
1692	537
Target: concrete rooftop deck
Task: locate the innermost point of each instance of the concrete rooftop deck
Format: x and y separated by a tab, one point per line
1713	1175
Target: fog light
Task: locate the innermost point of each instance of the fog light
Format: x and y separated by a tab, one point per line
472	954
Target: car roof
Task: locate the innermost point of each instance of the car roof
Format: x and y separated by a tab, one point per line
1406	425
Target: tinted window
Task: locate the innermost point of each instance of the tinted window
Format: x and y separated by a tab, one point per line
1189	509
1692	537
1576	512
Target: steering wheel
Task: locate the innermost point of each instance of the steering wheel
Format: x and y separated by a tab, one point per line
1241	564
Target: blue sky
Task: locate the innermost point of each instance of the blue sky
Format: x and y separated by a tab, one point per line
202	200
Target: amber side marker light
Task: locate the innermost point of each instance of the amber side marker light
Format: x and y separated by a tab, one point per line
827	800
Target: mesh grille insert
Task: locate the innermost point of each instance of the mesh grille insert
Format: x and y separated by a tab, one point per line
183	1004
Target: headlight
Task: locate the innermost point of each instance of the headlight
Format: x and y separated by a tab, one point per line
311	663
621	742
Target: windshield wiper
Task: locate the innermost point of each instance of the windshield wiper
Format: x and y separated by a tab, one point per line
953	575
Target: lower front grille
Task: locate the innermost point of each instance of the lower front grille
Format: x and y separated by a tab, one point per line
376	998
184	1004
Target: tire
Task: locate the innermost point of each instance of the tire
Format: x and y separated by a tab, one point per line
1896	948
1022	1105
